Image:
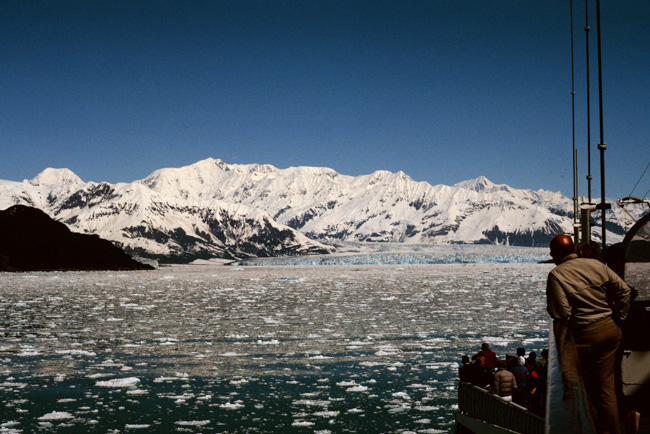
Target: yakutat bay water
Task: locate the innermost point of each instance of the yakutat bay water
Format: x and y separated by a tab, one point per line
262	349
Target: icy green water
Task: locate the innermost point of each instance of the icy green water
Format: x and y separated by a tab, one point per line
261	349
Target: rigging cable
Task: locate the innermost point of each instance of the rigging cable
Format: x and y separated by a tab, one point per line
637	183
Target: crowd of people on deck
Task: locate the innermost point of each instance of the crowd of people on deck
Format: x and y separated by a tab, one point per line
516	378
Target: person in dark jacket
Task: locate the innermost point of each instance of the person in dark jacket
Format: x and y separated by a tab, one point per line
520	373
481	377
531	359
490	357
465	371
534	398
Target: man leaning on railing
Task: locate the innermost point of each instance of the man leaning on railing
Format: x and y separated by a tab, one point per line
591	299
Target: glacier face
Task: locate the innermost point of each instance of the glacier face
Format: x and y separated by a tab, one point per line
214	209
392	254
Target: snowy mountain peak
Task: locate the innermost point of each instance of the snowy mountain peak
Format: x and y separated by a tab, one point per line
480	185
55	177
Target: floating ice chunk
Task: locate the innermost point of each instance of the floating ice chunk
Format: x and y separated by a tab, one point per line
56	415
302	423
418	386
271	342
136	392
388	350
400	409
77	352
320	357
16	385
137	426
99	375
232	354
163	379
118	382
28	351
331	413
312	403
109	363
357	389
402	395
427	407
232	405
170	342
371	364
131	345
192	422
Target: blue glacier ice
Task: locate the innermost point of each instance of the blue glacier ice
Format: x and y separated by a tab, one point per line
413	255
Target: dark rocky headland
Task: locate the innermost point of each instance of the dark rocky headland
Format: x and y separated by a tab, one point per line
32	241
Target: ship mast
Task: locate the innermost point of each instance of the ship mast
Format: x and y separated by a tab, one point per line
603	206
586	208
589	177
576	225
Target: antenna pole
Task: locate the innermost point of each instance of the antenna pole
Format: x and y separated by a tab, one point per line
589	177
601	146
573	123
577	226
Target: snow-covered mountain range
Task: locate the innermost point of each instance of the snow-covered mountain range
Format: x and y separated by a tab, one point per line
214	209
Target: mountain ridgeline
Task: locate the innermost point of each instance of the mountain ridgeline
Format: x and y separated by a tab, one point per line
213	209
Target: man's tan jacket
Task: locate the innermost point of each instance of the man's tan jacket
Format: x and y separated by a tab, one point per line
584	291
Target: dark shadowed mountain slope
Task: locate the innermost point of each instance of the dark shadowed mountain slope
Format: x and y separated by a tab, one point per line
31	241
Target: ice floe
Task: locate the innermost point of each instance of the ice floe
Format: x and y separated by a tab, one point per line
118	382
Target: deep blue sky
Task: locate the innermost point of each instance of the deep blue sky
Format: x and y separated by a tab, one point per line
442	90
